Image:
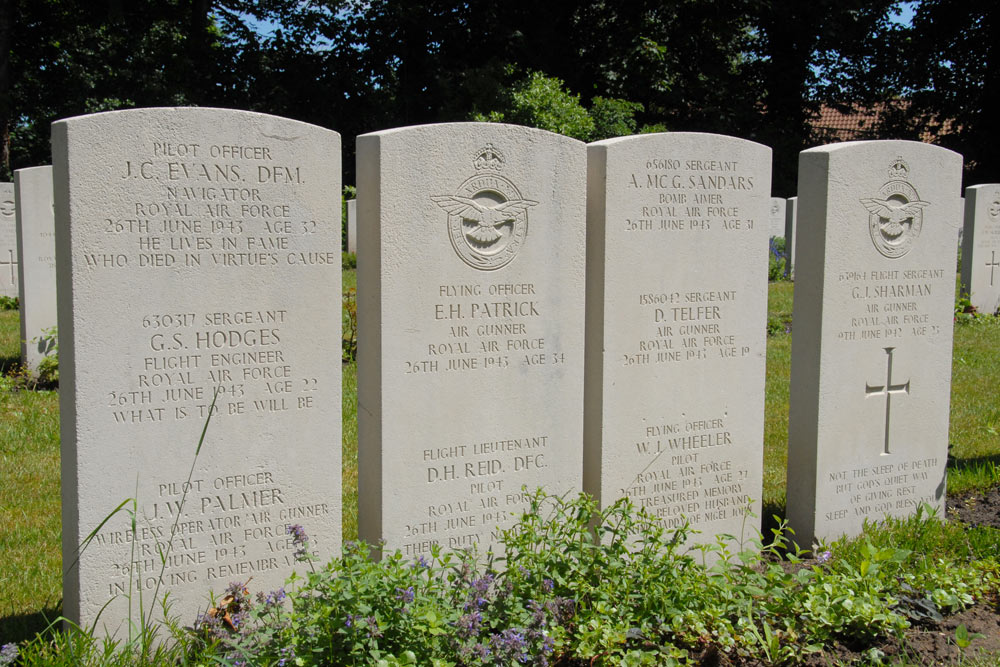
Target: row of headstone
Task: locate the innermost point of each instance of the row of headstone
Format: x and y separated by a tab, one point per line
533	312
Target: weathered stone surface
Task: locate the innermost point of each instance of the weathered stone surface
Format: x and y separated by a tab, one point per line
872	334
470	319
352	225
198	258
676	321
36	254
8	241
981	247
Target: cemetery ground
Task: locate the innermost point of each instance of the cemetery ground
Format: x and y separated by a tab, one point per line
915	552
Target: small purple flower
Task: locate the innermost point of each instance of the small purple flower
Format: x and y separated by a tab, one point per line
468	624
8	654
824	557
349	621
562	609
510	645
299	539
373	629
406	595
537	614
421	562
482	585
237	590
548	585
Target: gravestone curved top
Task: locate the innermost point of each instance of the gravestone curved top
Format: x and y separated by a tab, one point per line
198	258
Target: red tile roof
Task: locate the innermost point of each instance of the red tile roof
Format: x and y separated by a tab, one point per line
830	124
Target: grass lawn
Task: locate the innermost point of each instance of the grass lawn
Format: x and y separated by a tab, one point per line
30	578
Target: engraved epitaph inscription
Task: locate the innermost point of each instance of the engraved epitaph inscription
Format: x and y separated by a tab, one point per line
195	284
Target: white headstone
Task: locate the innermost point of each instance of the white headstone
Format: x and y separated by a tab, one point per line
981	247
676	321
8	241
961	228
776	216
471	321
676	326
36	253
872	334
352	225
197	251
791	222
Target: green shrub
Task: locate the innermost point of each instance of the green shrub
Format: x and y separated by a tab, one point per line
612	586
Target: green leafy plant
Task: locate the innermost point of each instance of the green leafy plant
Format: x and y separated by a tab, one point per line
963	638
573	583
965	312
48	366
9	303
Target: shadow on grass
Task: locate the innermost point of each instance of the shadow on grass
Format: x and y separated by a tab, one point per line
22	627
8	363
974	463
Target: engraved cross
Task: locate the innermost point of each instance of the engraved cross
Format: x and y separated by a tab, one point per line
887	389
993	264
13	265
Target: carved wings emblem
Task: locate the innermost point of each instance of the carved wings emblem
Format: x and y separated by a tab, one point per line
486	218
894	213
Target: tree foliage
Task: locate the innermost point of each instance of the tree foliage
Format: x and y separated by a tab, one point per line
543	102
758	69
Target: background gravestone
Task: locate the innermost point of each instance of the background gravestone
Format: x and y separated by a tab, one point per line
981	247
872	334
470	320
776	216
198	250
961	227
352	225
36	253
8	241
791	225
676	321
